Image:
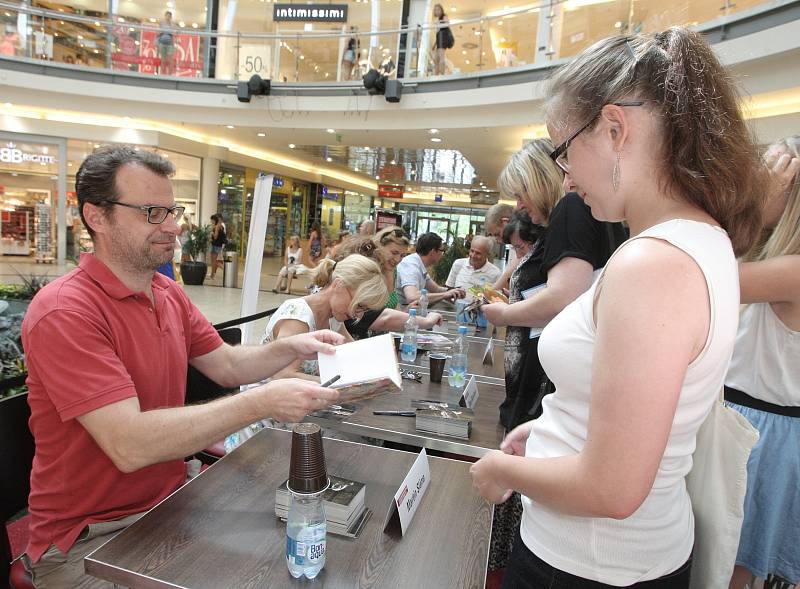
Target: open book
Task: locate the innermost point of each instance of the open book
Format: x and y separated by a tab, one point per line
365	368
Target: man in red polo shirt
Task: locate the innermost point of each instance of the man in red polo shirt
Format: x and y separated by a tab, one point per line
107	348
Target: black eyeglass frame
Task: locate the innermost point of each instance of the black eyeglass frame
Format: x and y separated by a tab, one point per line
176	211
561	149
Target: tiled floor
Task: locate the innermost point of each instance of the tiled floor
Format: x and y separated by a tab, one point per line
216	302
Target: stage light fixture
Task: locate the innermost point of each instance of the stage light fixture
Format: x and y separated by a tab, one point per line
255	86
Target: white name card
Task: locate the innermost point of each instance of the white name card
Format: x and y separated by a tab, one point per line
470	397
408	496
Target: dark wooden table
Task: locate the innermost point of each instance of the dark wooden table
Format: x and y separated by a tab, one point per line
494	374
220	530
487	433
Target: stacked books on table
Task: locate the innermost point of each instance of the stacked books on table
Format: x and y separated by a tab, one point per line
345	510
445	421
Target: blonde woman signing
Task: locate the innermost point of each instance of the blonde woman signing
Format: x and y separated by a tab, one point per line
650	130
387	248
349	288
763	382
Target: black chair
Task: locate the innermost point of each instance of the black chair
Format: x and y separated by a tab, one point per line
16	459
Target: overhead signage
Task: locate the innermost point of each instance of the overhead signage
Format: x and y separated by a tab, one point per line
392	173
390	191
309	12
12	155
277	182
437	198
408	496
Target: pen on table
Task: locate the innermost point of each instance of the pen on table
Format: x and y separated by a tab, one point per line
331	381
396	413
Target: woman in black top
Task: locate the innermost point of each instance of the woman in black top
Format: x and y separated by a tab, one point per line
444	40
218	239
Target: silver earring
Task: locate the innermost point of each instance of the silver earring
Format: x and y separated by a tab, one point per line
615	175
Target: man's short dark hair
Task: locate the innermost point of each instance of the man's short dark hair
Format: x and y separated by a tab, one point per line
96	180
427	242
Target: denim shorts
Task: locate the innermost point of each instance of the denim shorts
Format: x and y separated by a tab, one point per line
216	249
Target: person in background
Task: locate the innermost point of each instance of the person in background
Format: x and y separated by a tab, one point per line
184	236
496	218
387	248
315	245
166	46
412	273
468	240
350	55
763	381
107	346
474	270
650	130
367	227
294	266
219	237
347	289
9	44
444	40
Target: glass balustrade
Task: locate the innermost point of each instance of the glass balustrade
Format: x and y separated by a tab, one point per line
252	39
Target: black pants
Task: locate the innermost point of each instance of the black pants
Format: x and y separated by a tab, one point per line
528	571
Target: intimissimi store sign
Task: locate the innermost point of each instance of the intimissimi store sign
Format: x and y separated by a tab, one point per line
309	12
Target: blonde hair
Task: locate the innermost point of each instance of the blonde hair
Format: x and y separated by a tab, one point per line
362	276
784	239
389	235
532	176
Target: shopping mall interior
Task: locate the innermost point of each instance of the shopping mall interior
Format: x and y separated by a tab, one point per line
349	108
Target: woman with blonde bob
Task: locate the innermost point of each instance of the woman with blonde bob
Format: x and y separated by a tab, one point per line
387	248
763	381
649	129
349	288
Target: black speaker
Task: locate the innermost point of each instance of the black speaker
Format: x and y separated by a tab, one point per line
255	86
394	90
243	92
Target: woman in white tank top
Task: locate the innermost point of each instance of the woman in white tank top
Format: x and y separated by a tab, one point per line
650	132
763	382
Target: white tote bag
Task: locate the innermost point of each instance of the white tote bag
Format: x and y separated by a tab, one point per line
717	485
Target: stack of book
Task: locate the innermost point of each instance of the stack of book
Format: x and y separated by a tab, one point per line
442	421
345	511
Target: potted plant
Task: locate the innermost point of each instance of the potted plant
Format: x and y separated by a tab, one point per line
194	272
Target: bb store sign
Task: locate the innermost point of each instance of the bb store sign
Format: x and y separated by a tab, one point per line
309	12
10	154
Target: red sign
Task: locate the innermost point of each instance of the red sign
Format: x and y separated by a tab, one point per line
390	191
188	62
392	173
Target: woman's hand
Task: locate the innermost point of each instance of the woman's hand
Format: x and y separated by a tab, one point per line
484	478
494	313
515	441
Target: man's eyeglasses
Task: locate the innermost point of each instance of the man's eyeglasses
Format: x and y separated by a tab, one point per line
559	154
155	214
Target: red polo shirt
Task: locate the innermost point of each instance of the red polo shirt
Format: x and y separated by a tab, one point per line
90	341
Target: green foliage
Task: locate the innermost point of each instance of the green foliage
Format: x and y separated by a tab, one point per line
198	242
456	250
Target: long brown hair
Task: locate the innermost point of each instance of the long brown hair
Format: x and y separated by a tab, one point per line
710	157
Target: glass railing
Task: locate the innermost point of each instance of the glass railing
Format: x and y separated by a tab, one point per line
538	33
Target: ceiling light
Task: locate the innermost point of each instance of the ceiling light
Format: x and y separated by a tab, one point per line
291	146
355	169
229	126
499	23
377	177
96	145
463	52
8	105
69	164
262	134
466	61
331	130
433	131
328	159
436	139
393	162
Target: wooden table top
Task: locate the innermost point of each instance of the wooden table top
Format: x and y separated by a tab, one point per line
487	433
220	529
494	374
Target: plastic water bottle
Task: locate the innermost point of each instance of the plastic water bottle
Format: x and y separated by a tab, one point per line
305	535
457	372
408	347
423	303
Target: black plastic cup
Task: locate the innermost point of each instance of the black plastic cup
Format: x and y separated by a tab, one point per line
437	360
307	472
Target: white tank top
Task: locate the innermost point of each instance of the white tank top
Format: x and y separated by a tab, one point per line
766	359
658	537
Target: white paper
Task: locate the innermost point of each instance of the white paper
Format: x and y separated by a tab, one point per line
470	396
409	495
361	361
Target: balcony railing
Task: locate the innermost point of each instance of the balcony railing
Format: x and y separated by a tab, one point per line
538	33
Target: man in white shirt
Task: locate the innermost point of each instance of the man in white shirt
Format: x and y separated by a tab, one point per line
476	269
412	273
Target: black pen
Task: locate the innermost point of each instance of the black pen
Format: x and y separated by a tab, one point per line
396	413
331	381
